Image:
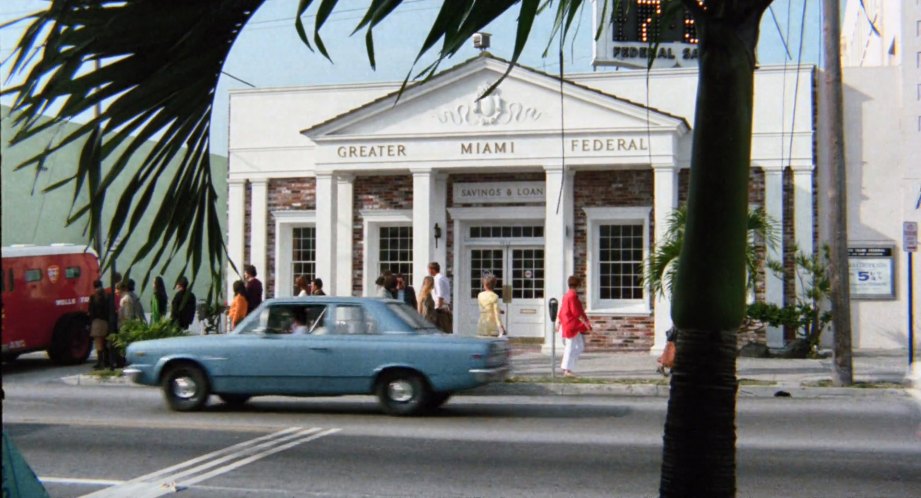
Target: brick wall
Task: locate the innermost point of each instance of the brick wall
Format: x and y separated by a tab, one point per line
373	193
284	194
620	188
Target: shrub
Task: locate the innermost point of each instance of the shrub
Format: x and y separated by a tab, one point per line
806	315
209	314
138	330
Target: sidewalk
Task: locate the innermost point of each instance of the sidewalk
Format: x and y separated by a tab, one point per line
882	373
875	373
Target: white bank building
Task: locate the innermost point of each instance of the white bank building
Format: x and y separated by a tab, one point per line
540	180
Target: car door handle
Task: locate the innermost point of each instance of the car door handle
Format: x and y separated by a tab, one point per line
319	348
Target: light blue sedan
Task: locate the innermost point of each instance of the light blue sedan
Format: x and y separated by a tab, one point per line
319	346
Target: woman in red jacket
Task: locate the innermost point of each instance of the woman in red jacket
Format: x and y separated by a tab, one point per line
573	323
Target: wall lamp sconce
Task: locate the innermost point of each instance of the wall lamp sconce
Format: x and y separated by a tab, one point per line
437	234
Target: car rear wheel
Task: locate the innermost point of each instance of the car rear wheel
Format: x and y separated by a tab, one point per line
403	393
185	388
71	342
234	399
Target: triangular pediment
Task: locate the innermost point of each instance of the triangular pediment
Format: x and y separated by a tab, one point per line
527	102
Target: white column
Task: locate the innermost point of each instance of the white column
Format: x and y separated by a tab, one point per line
429	208
258	241
665	192
558	242
327	190
773	284
344	245
236	238
802	214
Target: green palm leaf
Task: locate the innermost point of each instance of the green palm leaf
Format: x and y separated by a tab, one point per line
157	67
662	262
152	70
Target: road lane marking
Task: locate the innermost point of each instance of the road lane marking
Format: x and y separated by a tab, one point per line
179	476
80	480
253	458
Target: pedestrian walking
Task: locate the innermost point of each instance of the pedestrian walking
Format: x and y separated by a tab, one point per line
317	289
130	307
99	323
182	310
238	306
666	360
490	324
426	306
405	292
253	288
573	323
159	301
442	295
303	288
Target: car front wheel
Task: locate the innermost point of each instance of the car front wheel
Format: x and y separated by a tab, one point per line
403	393
185	388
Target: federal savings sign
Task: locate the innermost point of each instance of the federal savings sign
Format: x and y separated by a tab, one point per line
499	192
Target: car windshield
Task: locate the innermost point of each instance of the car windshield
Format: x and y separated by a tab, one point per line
410	316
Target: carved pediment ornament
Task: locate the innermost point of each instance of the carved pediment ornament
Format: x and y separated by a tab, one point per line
490	110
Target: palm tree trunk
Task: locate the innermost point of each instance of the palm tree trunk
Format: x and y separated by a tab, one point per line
709	288
699	453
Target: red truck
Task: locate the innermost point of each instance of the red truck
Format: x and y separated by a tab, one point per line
46	293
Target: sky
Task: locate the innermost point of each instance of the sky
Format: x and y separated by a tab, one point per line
269	54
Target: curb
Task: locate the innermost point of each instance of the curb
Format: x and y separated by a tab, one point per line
662	391
638	390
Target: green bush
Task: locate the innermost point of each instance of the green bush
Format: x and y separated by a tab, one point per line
138	330
210	314
806	315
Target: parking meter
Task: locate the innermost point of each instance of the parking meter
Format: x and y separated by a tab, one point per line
553	306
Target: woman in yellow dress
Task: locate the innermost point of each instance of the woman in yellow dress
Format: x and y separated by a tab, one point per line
490	325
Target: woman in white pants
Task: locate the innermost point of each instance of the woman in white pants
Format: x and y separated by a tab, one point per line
573	323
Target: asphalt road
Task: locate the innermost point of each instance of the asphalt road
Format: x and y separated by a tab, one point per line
122	441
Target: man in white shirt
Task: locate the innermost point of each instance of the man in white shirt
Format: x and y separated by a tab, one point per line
441	293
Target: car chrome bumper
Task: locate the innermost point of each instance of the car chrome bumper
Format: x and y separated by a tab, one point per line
133	374
496	374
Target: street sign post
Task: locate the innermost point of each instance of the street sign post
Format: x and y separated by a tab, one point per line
910	243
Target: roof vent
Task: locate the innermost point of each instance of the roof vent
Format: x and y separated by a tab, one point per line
481	40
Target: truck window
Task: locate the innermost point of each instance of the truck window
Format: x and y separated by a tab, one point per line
33	275
72	272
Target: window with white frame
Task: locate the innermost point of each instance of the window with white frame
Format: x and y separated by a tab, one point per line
395	251
388	237
303	252
295	249
618	242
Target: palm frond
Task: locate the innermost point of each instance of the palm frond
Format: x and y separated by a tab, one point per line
156	70
661	264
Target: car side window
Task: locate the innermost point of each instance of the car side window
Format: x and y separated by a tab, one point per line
279	320
353	320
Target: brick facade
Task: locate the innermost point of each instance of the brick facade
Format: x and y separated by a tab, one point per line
616	188
284	194
393	192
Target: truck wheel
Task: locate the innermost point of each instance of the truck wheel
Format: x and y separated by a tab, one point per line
403	393
185	387
71	342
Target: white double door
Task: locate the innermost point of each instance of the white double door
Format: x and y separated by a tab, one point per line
519	272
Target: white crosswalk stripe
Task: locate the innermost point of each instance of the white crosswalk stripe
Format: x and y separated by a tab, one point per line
190	472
